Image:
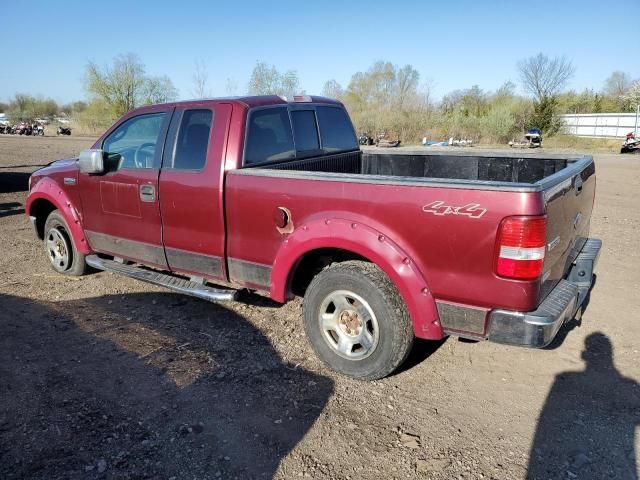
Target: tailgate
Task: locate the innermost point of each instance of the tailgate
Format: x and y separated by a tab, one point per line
569	202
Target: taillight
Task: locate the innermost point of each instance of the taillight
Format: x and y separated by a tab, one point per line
521	247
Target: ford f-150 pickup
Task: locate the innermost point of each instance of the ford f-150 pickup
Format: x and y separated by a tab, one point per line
275	195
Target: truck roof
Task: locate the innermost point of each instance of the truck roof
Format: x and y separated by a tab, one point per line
251	101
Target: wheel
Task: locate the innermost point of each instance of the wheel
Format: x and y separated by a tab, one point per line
356	320
61	251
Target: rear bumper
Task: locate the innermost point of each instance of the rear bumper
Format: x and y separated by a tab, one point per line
538	328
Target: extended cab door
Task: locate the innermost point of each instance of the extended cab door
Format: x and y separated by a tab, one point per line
191	190
121	213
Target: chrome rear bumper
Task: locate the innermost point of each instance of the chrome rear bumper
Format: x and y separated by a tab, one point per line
538	328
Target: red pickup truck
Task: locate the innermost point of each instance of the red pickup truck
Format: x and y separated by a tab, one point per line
261	193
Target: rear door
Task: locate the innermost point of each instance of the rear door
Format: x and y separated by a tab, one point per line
568	206
191	186
121	214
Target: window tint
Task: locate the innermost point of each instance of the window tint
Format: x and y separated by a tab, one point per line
305	130
336	129
193	140
269	137
135	141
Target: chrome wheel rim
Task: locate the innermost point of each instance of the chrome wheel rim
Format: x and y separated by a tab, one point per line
348	325
58	249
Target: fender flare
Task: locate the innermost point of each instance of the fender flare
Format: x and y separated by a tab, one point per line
48	189
371	244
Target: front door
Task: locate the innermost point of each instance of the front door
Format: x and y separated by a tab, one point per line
121	212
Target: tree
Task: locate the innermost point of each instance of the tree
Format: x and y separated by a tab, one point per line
159	90
544	116
124	85
200	79
332	89
266	80
231	87
632	97
544	77
617	84
407	79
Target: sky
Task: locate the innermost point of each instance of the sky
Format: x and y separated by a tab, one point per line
453	44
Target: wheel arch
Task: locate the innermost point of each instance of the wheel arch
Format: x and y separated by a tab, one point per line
350	240
47	196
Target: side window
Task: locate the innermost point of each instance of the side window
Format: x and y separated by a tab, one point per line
336	130
193	140
269	136
305	130
135	141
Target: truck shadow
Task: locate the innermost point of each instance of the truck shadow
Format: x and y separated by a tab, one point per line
11	182
8	209
587	426
146	386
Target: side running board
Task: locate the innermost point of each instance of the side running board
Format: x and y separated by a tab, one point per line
171	282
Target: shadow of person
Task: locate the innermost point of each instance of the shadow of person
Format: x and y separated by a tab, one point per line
146	385
587	426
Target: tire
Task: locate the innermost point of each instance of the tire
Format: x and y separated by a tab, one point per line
375	314
60	248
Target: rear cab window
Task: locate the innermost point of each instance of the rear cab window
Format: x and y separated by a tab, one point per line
269	136
336	130
305	131
276	134
193	140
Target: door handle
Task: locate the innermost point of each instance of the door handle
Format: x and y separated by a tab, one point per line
147	193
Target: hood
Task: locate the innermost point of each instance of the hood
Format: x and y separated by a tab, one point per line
65	165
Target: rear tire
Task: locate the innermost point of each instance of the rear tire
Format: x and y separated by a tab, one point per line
356	320
60	248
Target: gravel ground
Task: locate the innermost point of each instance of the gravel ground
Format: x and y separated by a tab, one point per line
106	377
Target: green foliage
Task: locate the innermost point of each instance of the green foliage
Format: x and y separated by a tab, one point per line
386	98
589	101
632	96
24	107
124	85
94	119
544	116
267	80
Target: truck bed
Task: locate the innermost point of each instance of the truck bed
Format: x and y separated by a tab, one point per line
485	167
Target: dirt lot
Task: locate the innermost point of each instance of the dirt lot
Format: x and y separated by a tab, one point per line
106	377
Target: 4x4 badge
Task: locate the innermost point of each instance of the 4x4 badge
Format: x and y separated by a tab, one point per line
471	210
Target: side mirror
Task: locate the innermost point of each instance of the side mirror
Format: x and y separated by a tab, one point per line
91	161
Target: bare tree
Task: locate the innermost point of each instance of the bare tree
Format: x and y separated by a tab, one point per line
617	84
332	89
232	86
200	79
544	77
407	84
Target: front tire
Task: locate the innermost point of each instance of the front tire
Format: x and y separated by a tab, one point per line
356	320
59	246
